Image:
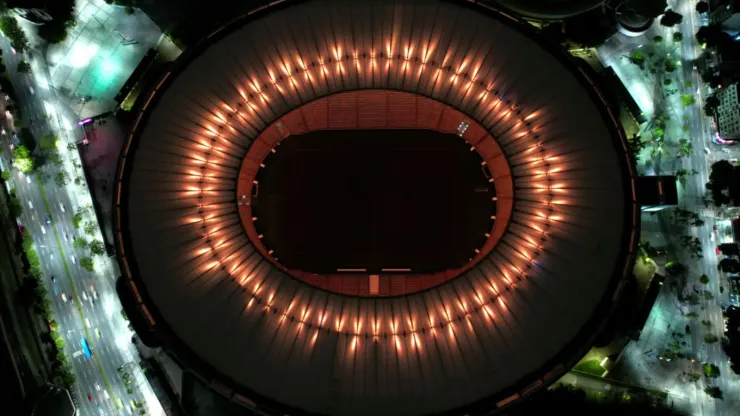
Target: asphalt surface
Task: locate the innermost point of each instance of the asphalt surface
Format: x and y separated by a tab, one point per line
80	315
667	317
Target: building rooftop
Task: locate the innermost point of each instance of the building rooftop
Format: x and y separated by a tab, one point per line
524	308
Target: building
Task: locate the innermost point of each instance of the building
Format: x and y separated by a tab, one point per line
550	9
728	112
524	307
725	13
656	193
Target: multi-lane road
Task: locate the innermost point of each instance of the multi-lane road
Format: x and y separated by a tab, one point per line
90	308
667	318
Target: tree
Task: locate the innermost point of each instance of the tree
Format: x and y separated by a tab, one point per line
77	220
635	144
687	100
711	371
13	31
62	13
712	36
729	265
5	175
87	264
68	379
677	37
671	18
729	249
675	268
23	67
61	178
722	182
97	248
22	159
702	7
657	39
16	207
80	242
710	339
56	159
90	227
714	392
49	143
704	279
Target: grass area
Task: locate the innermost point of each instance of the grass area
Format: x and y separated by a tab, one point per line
590	367
47	205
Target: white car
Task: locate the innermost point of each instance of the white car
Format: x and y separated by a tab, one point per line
28	178
87	323
97	387
105	393
84	295
64	297
30	204
61	206
43	229
74	259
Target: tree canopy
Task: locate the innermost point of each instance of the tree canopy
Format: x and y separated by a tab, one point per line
702	7
24	67
723	183
62	13
671	18
48	143
22	159
712	36
13	31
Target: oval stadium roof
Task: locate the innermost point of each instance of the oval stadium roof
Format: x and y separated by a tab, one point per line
510	324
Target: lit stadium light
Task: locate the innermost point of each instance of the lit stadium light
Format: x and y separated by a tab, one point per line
527	239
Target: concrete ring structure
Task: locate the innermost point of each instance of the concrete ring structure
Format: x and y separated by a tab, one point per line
503	328
378	109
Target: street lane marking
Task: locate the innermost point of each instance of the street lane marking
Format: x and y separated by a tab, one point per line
47	205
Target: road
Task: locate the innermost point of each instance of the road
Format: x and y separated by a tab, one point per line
668	317
81	315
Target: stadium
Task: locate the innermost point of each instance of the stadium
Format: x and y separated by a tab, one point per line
260	295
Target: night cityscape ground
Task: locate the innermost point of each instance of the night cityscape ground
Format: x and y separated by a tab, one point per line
322	207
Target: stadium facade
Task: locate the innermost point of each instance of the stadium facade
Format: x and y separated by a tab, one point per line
468	341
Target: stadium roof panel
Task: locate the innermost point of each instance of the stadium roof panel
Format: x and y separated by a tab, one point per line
529	306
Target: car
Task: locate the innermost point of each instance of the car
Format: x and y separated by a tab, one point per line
30	88
97	387
84	295
48	219
61	206
105	393
87	323
64	234
64	297
30	204
707	151
43	229
97	332
74	259
21	230
89	397
28	178
53	279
